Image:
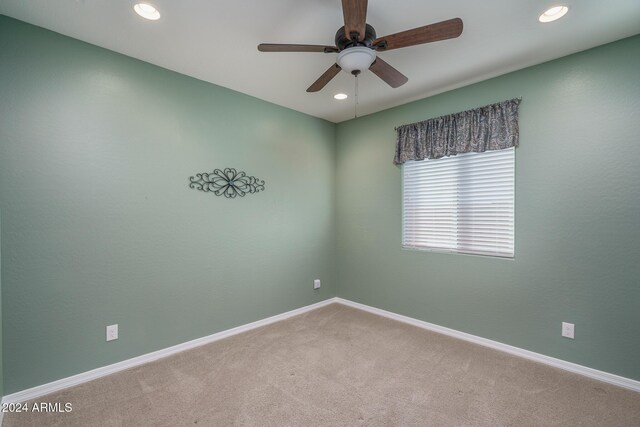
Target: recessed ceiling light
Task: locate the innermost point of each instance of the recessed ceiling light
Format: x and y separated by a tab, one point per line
147	11
340	96
553	13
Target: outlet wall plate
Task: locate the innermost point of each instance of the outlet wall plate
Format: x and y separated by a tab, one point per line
316	284
568	330
112	332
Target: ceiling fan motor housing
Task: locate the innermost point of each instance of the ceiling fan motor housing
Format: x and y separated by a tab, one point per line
343	40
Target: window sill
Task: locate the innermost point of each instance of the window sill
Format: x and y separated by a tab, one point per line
452	251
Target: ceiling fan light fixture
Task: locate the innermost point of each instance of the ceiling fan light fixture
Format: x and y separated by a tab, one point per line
147	11
356	59
340	96
553	13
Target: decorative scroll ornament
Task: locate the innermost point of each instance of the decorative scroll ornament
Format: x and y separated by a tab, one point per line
228	183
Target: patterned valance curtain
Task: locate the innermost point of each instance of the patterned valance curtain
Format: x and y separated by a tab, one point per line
493	127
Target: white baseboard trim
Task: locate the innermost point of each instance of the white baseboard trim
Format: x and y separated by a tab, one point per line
74	380
516	351
84	377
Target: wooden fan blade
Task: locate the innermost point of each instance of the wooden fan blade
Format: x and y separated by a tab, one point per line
429	33
270	47
386	72
325	78
355	17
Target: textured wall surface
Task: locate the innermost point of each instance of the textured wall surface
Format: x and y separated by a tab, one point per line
99	225
577	216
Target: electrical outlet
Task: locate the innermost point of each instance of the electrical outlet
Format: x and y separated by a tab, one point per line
316	284
568	330
112	332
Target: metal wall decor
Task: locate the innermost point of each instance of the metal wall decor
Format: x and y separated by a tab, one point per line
228	183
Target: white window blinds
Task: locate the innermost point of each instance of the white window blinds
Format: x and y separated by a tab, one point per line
463	203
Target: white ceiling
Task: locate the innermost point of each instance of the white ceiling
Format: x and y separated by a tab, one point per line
215	41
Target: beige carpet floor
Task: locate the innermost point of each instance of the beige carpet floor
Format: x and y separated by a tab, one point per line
338	366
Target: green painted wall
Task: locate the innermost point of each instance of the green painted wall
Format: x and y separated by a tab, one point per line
100	227
577	216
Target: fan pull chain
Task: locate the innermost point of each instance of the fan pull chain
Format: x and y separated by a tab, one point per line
355	106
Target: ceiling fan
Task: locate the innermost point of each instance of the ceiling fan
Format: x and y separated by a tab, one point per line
357	44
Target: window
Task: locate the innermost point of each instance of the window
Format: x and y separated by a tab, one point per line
462	204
